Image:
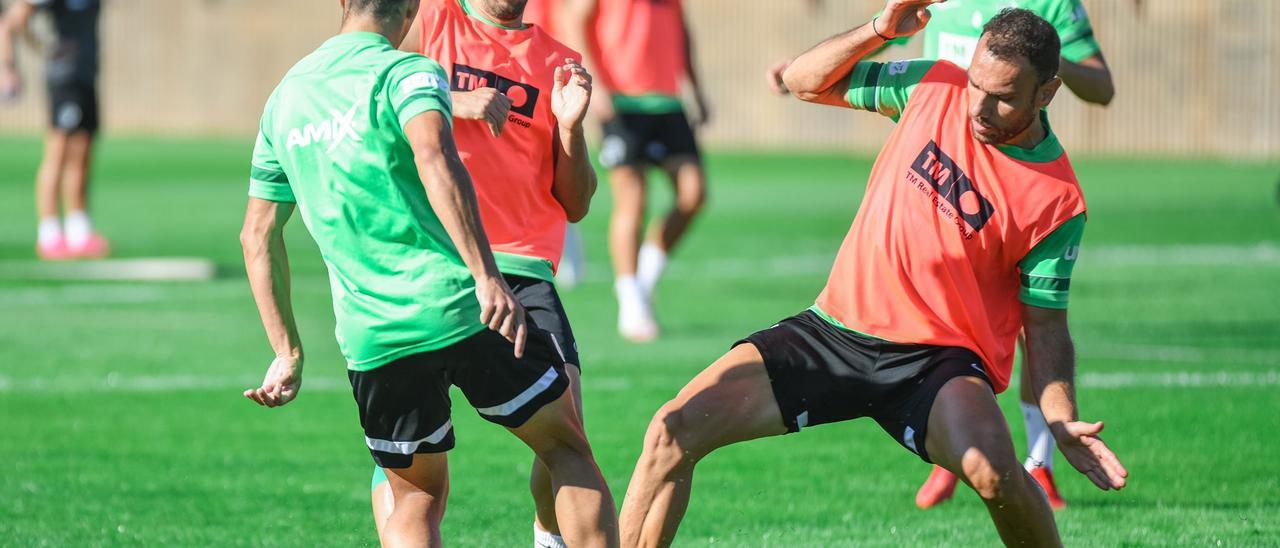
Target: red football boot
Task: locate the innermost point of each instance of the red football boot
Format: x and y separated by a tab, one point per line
937	489
1044	477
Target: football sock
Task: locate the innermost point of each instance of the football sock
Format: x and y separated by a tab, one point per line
78	227
1040	443
49	231
652	261
546	539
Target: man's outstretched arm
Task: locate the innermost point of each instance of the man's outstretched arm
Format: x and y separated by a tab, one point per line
12	23
821	75
1051	356
267	264
453	199
1090	79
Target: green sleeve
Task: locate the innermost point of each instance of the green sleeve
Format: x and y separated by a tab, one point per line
267	180
1071	21
1046	270
417	86
885	87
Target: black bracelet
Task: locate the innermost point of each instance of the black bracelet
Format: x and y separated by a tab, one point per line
873	29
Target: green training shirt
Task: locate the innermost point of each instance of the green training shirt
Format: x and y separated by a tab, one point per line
332	140
953	32
1046	270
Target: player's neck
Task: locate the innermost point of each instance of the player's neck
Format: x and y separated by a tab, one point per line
483	8
1031	136
367	24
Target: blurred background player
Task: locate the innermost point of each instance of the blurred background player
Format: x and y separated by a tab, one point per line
519	101
546	15
71	72
641	54
952	35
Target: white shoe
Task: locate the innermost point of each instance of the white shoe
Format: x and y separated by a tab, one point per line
635	317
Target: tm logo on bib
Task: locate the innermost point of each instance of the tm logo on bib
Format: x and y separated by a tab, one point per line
334	131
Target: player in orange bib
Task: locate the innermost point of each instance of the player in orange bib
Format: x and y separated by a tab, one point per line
641	52
519	101
968	232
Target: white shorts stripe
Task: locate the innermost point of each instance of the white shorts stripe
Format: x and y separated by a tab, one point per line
409	447
524	397
556	343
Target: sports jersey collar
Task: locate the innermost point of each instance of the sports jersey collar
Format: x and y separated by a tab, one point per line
466	8
1048	150
358	38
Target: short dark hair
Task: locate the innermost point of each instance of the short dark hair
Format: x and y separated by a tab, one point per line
1016	33
383	10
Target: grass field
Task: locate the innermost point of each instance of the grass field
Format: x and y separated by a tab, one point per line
121	420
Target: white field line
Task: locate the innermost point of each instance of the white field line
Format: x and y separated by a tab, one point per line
1178	354
232	386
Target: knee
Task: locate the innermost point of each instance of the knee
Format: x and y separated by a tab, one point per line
692	201
671	443
993	478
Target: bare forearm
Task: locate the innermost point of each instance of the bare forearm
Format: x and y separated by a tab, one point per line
1051	357
267	264
449	189
575	181
815	72
1089	80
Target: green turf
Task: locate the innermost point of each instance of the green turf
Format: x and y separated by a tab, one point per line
122	421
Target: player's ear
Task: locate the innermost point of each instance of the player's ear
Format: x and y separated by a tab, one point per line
1047	91
414	5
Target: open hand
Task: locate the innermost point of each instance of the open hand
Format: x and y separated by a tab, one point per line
10	84
282	383
485	104
903	17
571	94
500	310
1079	442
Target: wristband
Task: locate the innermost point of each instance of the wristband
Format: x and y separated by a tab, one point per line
873	29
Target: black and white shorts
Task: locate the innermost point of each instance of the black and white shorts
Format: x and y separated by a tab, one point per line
405	405
73	107
541	300
823	374
647	139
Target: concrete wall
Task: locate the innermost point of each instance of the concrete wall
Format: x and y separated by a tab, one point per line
1193	76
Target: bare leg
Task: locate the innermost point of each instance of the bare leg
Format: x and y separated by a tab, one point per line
691	195
730	401
49	178
969	436
383	504
419	494
544	501
583	506
625	225
75	188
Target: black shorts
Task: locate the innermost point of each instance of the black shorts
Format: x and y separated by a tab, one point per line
541	300
404	405
73	107
823	374
640	139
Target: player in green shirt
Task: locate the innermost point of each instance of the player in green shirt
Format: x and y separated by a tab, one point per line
952	35
358	137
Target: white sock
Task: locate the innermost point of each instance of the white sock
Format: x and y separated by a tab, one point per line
78	227
628	292
573	261
546	539
650	264
49	230
1040	443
